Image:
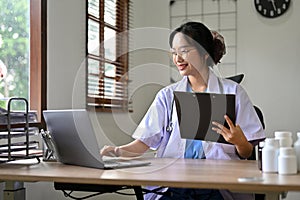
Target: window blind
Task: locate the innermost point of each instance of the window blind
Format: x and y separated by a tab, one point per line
107	54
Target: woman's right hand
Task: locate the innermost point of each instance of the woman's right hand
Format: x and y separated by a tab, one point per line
133	149
109	151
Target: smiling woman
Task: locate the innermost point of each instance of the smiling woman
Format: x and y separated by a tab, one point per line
194	54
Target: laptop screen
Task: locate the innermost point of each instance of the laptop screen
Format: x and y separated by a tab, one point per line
197	111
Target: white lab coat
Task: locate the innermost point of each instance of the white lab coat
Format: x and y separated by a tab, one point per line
152	129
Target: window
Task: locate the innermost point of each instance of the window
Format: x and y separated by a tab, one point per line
107	54
23	59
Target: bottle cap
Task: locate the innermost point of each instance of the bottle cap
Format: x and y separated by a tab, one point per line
272	142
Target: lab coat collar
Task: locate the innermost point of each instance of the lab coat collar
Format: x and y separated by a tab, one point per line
182	84
214	83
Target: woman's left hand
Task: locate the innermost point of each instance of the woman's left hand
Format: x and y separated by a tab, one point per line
233	135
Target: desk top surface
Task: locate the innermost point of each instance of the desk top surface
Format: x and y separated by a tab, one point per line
219	174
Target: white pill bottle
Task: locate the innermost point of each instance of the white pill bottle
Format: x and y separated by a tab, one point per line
270	153
287	161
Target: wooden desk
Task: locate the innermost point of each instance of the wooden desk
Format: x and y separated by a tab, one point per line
188	173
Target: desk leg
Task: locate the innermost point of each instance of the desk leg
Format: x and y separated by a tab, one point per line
138	192
14	190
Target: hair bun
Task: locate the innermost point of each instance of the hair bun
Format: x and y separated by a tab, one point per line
219	46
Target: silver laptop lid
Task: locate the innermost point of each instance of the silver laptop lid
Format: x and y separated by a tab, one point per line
74	137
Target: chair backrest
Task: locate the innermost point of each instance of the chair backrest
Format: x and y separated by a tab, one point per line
260	116
236	78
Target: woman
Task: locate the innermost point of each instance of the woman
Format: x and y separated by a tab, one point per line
195	49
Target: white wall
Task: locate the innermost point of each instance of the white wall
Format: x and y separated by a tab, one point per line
66	51
268	54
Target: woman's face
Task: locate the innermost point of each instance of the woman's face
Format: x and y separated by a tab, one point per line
186	57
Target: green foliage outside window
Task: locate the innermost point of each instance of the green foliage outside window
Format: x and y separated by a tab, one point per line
14	49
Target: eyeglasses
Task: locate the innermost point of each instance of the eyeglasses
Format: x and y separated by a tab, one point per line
181	52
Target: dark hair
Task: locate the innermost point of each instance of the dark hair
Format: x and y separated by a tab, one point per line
201	37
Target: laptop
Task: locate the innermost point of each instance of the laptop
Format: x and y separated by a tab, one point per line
75	142
197	111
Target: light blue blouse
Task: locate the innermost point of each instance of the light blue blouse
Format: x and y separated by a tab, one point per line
193	148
